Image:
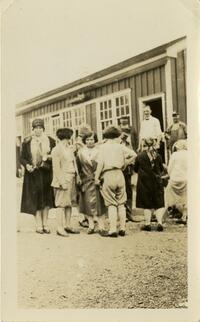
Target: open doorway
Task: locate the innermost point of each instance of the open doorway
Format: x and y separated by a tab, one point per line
156	103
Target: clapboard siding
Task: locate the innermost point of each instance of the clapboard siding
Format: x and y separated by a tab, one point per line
174	84
141	84
181	86
157	80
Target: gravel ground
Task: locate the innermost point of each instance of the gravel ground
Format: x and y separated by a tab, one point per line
140	270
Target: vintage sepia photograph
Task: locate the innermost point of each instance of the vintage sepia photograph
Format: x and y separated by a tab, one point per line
98	104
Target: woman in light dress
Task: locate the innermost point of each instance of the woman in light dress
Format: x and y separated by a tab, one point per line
176	192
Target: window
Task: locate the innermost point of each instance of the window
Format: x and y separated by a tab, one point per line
111	108
69	117
47	125
56	123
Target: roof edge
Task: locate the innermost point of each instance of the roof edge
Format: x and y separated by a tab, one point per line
133	60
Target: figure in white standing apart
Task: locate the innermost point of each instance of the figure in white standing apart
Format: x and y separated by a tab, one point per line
150	128
176	192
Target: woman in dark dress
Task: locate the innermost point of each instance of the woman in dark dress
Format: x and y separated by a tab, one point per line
37	193
150	189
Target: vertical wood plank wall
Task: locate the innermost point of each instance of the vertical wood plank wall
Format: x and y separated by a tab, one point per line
178	74
143	84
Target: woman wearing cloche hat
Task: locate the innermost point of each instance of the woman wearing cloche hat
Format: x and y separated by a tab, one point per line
37	193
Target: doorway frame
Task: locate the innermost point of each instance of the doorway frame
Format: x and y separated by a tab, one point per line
144	99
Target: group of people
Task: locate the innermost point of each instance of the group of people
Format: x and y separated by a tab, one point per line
97	176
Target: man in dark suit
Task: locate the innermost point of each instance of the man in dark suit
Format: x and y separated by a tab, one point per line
128	139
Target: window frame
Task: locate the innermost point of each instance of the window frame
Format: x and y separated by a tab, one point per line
59	113
114	117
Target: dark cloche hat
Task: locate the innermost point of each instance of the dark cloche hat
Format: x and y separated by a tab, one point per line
38	122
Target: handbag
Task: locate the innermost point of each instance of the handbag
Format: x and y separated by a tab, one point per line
45	165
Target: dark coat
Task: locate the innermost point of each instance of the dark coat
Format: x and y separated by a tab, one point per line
150	189
37	192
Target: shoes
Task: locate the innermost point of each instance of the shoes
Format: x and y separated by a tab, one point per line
84	223
72	231
90	231
160	227
63	234
122	233
114	234
181	221
107	234
39	231
103	233
146	227
46	230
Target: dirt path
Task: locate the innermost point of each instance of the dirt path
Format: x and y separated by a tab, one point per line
140	270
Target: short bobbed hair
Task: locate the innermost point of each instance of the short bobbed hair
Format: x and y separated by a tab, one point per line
64	133
89	135
111	132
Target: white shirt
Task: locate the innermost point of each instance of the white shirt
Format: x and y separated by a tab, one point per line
150	128
114	155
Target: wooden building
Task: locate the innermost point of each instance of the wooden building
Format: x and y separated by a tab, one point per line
156	77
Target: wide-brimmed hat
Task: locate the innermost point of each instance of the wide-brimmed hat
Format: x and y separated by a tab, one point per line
38	122
175	114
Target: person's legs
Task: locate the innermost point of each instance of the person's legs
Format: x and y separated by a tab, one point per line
45	213
122	219
38	221
128	204
101	222
60	221
112	216
68	214
147	220
147	217
91	224
159	216
67	218
183	211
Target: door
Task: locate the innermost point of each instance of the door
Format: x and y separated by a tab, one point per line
156	103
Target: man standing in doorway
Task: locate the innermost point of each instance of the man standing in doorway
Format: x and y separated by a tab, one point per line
176	131
150	127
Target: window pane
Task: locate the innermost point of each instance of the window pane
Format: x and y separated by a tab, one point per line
126	99
127	109
117	101
122	100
